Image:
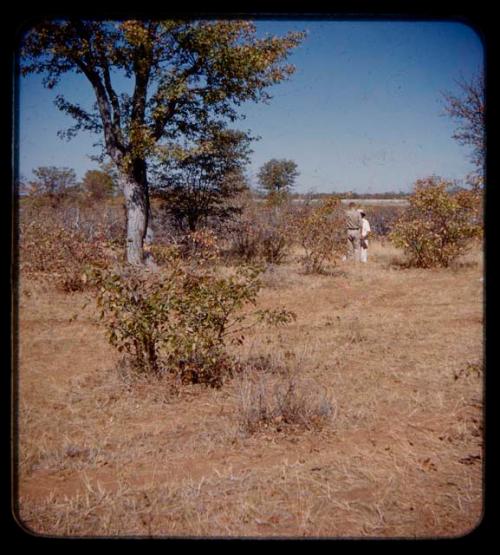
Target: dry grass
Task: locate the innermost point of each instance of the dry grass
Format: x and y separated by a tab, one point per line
394	355
282	401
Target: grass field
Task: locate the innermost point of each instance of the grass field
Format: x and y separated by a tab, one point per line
396	355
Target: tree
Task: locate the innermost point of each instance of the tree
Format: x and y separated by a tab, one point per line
184	74
199	182
277	178
98	184
470	111
52	182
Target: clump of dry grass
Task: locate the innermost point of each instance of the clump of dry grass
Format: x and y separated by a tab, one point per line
281	401
472	369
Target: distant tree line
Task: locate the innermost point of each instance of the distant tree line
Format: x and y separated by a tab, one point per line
352	195
57	183
199	188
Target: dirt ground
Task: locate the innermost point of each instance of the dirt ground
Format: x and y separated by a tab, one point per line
396	353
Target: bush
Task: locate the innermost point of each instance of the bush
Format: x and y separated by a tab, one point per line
178	321
261	233
50	250
199	247
438	225
382	219
321	232
78	212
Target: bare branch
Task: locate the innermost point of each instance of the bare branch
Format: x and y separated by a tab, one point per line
469	111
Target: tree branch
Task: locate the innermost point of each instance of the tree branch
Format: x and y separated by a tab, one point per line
142	63
115	103
161	122
114	146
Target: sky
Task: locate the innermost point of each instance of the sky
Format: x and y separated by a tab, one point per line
363	112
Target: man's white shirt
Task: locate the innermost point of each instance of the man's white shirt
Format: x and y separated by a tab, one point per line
365	228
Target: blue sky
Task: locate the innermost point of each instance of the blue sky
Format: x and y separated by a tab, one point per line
363	111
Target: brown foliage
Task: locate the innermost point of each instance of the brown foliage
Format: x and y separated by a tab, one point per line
262	233
321	232
50	251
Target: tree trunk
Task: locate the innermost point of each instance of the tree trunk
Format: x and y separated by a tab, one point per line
135	187
136	203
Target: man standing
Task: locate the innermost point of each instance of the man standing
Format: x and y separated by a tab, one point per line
354	223
365	231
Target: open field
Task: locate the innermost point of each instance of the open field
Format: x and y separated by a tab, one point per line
397	353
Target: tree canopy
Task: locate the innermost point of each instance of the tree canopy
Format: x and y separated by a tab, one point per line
98	184
201	182
277	178
185	73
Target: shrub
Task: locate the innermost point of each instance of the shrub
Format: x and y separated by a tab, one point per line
321	232
382	219
178	321
50	250
199	247
78	212
261	233
438	225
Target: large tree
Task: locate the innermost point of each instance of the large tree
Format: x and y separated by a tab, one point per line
184	74
201	182
468	109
